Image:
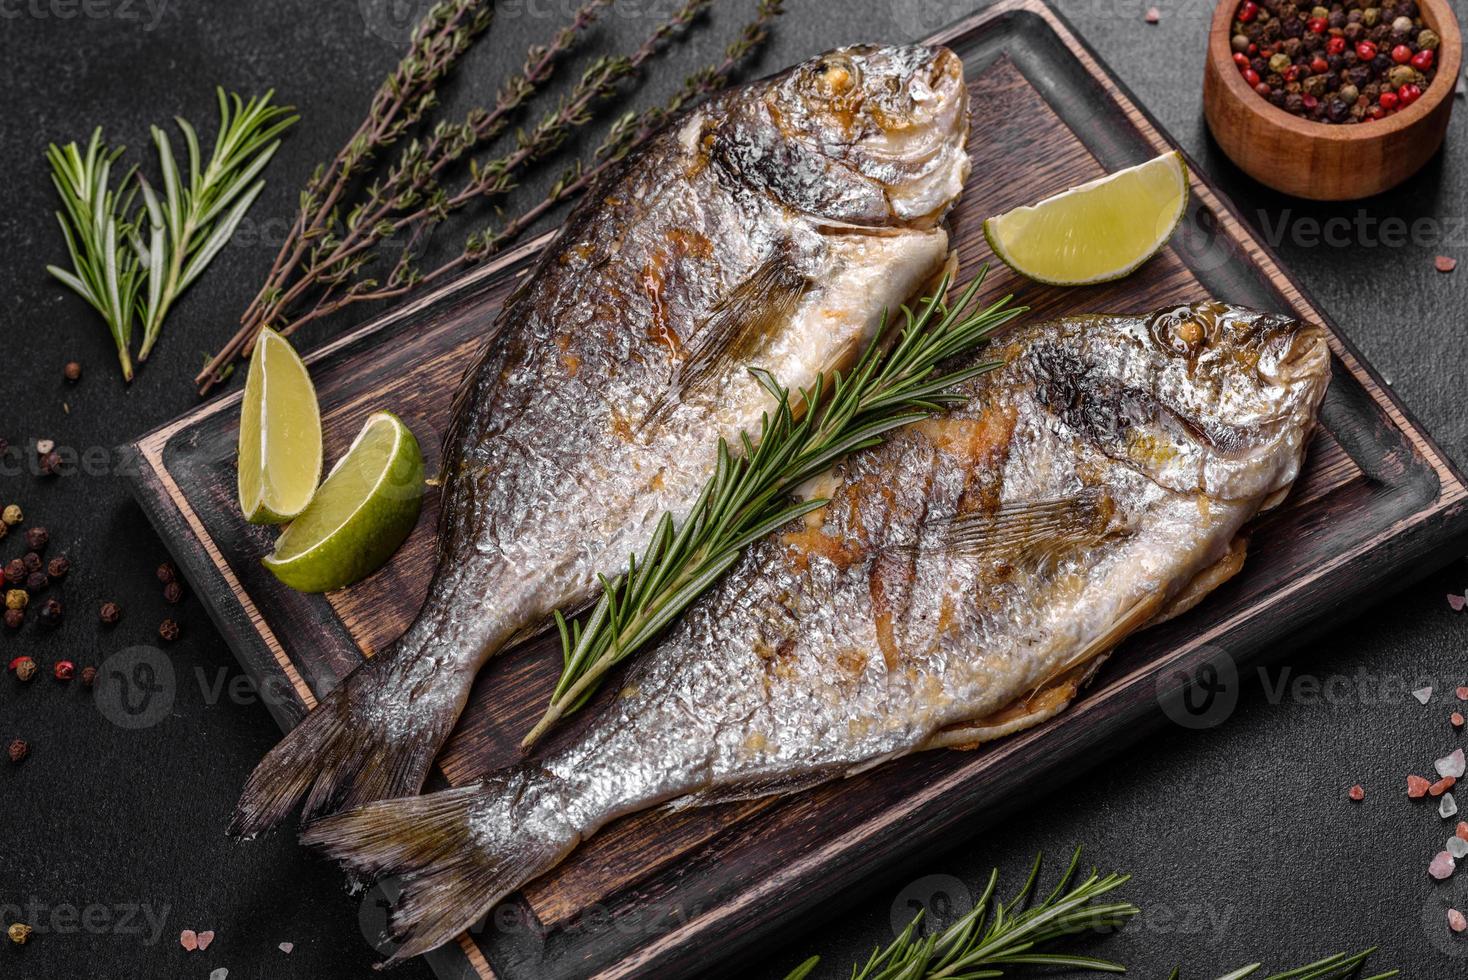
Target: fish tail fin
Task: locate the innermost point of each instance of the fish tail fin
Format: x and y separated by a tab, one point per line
368	740
453	854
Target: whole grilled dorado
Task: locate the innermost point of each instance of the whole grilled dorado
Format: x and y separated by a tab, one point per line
771	227
965	579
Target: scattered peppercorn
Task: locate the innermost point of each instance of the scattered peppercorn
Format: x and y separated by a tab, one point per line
50	464
37	538
58	567
17	599
89	676
12	514
173	593
168	630
1343	62
15	571
111	613
4	530
14	618
24	667
19	932
50	614
18	750
32	562
36	581
167	573
64	670
73	371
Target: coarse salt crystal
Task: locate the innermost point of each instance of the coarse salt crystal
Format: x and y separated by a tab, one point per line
1423	694
1357	793
1463	829
189	940
1442	786
287	947
1446	263
219	974
1448	807
1456	921
205	938
1456	719
1458	847
1462	694
1153	15
1442	866
1451	764
1457	602
1417	787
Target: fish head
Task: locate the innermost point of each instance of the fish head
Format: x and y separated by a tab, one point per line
865	136
1204	398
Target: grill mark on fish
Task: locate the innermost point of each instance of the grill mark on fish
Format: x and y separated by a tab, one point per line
810	662
563	450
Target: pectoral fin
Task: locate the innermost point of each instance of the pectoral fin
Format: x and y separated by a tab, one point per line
737	325
1028	530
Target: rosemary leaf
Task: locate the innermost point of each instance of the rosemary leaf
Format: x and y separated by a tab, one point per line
194	220
891	384
992	938
94	221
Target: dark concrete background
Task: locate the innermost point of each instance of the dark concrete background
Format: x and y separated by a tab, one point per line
1242	846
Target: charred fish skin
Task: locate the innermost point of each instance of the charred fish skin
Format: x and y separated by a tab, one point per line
771	227
1095	483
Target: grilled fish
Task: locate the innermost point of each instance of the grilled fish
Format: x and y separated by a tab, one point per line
962	583
771	227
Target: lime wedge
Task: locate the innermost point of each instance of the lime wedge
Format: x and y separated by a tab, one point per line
1096	232
362	513
280	434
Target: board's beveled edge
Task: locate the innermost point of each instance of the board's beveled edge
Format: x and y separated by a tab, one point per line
1451	487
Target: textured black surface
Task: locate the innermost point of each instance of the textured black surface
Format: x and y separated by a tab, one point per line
1242	845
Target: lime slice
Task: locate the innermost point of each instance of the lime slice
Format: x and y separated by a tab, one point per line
365	509
1096	232
280	434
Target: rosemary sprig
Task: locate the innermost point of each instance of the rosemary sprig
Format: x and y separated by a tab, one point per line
94	220
1338	967
890	386
194	220
993	937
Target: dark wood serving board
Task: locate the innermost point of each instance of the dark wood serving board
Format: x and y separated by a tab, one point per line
671	894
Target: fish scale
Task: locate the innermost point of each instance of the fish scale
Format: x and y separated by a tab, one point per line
964	579
772	227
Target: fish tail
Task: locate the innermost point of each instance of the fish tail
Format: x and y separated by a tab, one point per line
454	854
368	740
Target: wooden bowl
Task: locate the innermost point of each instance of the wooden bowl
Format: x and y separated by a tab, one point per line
1322	161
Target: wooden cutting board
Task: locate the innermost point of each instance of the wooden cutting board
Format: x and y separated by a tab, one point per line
667	894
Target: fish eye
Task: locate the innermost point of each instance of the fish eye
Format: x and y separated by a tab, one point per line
834	77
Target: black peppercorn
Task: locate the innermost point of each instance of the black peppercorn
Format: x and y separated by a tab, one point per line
166	572
89	676
37	538
32	562
58	567
173	593
15	571
14	618
111	613
50	464
36	581
168	631
18	750
73	371
50	613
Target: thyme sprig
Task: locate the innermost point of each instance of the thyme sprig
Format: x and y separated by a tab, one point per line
96	223
328	259
896	380
195	219
994	937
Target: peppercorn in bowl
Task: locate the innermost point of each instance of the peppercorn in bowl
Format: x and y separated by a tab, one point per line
1332	101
